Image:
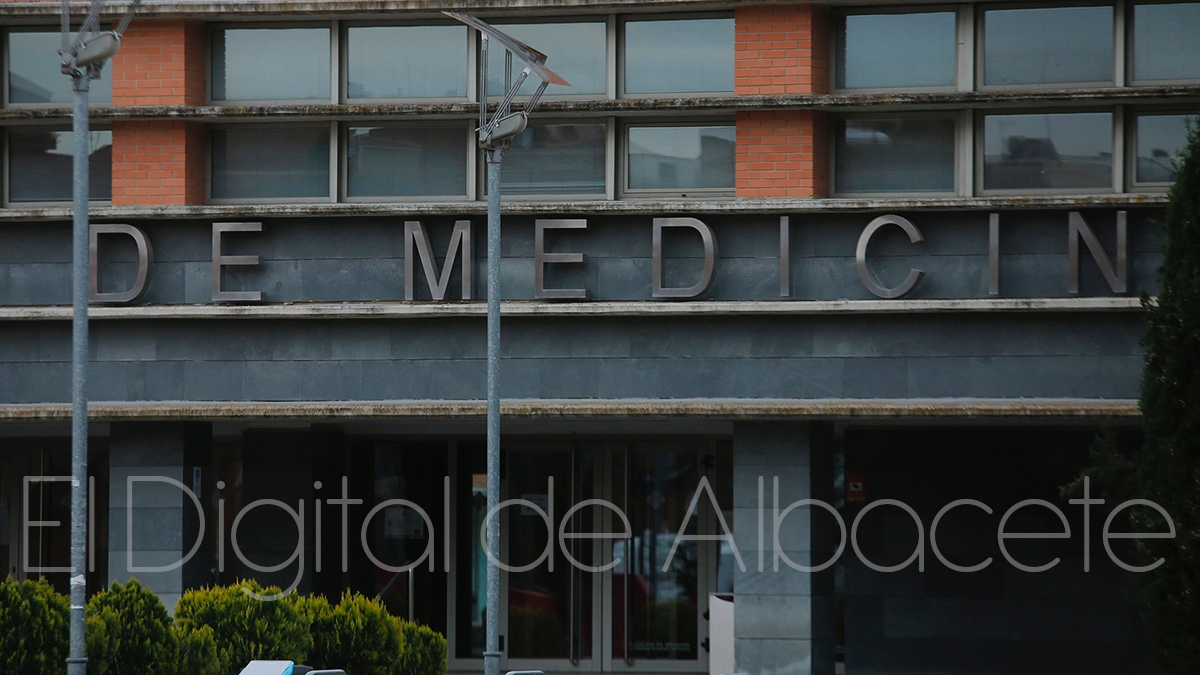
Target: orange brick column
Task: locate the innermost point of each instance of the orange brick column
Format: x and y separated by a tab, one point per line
161	63
782	50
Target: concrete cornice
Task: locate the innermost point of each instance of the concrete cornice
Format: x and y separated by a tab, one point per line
655	207
642	308
715	105
565	409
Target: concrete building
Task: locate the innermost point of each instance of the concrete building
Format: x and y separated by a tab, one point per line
880	257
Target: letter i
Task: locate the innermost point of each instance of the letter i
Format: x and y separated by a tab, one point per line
221	529
317	526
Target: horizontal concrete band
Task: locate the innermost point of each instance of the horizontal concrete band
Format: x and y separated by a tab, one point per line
418	310
720	104
655	207
734	409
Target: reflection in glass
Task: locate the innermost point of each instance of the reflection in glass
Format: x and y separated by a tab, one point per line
1160	140
406	161
1046	45
406	62
574	50
894	155
34	74
556	159
270	64
40	165
1165	46
252	163
1055	151
674	158
688	55
875	51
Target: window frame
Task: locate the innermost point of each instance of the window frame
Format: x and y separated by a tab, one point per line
980	47
620	60
5	92
7	165
1130	182
960	132
332	97
343	62
624	192
343	152
1115	180
1130	30
606	122
332	188
609	22
962	79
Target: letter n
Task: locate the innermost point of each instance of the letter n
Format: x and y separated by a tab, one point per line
1118	279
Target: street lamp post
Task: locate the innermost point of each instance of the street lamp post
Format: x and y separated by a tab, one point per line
82	58
494	137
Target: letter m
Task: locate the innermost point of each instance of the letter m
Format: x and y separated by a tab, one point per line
460	238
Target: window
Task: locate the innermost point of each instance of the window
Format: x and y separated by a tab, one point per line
1159	139
677	159
253	163
1048	45
877	51
557	158
392	62
1054	151
270	64
426	160
40	165
577	51
35	75
1165	46
895	154
678	56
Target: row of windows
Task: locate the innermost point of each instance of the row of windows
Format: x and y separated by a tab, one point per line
419	62
928	153
1007	152
956	48
1017	47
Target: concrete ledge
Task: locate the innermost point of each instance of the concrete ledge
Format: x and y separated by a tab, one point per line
655	207
580	408
419	310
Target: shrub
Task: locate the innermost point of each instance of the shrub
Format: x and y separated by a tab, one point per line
360	637
34	628
198	652
245	628
130	633
319	613
424	650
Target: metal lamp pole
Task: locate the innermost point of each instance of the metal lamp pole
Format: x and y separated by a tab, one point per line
82	59
494	137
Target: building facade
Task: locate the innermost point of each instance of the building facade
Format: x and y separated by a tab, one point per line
811	306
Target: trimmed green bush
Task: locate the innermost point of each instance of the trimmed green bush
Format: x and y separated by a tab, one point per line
130	633
319	614
34	628
425	650
198	652
245	628
361	638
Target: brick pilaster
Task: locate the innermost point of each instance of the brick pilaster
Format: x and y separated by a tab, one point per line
158	162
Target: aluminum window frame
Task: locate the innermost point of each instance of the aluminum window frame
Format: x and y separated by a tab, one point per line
621	22
607	20
342	85
606	122
4	73
980	47
961	131
334	62
332	187
1132	115
469	148
963	37
1115	138
624	192
7	164
1130	7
